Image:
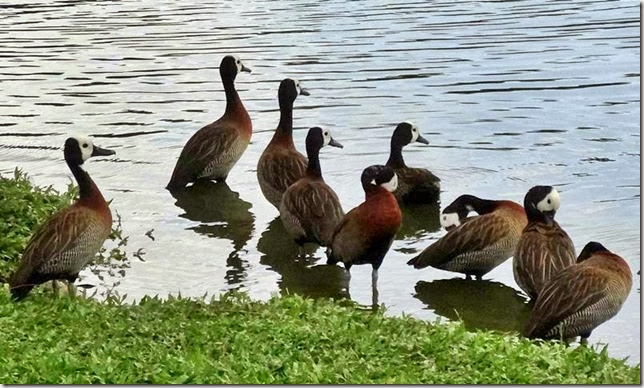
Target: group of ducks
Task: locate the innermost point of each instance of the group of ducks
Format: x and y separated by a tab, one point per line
572	294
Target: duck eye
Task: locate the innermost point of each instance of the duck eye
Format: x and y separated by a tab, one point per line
548	201
238	61
85	145
326	133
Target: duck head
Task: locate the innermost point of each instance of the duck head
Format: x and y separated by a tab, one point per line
541	204
590	249
379	176
454	214
230	66
289	90
79	148
318	138
407	133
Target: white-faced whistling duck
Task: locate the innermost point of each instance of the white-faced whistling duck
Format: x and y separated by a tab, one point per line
544	249
70	239
365	234
214	149
476	246
582	296
310	209
281	165
415	185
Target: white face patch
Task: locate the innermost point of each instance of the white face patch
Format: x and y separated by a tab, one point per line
326	135
297	86
450	220
86	146
392	185
414	131
238	63
550	202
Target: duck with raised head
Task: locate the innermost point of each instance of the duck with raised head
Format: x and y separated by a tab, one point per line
281	165
310	209
214	149
365	234
70	238
544	249
415	185
480	244
582	296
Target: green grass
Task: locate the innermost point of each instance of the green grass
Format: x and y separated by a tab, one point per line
286	340
47	339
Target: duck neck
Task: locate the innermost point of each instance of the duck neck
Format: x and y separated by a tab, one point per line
232	97
372	191
482	206
395	156
536	216
313	169
284	132
90	195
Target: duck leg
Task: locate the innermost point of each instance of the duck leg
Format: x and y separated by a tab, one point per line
374	288
54	287
584	339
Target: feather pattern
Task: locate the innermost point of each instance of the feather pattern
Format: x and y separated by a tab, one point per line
580	298
210	153
277	169
543	251
310	211
477	246
416	185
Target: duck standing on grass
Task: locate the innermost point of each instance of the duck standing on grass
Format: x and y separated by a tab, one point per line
70	239
310	209
365	234
479	244
281	165
415	185
582	296
214	149
544	249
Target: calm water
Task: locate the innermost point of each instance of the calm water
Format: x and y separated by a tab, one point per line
510	94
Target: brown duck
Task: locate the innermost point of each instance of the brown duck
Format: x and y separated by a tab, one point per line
479	245
365	234
544	249
70	239
214	149
582	296
310	209
415	185
281	165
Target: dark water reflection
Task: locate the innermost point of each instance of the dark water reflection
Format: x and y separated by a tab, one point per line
301	271
479	304
221	214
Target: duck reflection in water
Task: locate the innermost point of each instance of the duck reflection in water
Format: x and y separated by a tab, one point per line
299	273
419	220
221	214
479	304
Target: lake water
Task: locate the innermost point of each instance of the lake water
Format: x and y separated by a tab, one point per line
510	94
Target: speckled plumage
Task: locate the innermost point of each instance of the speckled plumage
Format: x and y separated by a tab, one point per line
478	245
581	297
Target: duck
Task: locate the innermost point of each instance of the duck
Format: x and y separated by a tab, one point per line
281	165
415	185
214	149
476	245
310	209
365	234
457	212
582	296
72	237
544	249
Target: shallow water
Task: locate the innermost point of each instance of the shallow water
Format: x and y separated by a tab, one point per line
510	94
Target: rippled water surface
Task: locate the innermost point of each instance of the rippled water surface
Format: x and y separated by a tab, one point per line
510	94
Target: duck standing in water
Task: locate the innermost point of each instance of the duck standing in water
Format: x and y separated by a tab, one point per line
415	185
281	165
214	149
582	296
310	209
70	239
544	249
365	234
478	244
